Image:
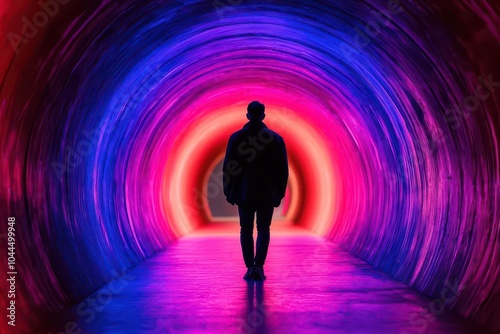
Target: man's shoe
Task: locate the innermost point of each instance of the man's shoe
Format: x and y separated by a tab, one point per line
255	274
249	273
259	274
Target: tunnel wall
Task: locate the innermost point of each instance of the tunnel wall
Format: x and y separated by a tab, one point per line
109	111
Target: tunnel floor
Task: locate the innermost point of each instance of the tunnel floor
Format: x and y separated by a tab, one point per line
312	286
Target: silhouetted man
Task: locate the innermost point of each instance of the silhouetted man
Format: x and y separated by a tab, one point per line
255	173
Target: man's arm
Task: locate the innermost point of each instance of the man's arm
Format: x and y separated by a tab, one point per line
227	178
282	169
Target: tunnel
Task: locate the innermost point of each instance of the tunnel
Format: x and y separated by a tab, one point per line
115	116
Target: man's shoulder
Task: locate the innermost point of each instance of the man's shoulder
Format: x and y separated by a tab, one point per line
275	135
245	132
236	134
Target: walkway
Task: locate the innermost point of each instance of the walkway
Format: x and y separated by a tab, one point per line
312	286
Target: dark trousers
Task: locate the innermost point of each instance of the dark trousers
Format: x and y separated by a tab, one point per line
264	217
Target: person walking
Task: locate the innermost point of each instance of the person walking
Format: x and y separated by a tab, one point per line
255	175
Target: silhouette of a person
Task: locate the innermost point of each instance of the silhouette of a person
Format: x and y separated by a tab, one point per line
255	175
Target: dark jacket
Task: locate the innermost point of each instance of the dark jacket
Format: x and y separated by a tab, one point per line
255	169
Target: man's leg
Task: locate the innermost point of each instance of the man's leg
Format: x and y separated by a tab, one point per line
264	217
246	233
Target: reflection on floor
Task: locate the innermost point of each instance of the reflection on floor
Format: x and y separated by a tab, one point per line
312	286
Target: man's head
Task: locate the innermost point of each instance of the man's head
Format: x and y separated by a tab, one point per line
255	111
